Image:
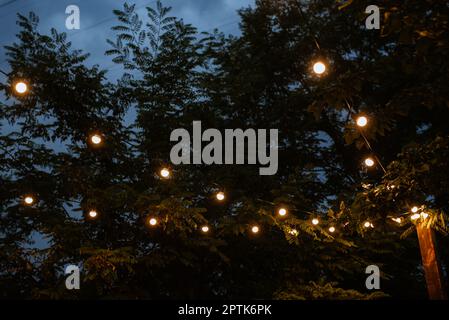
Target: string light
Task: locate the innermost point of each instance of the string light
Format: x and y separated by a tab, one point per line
28	200
362	121
424	215
21	87
93	214
397	220
319	67
282	212
369	162
220	196
165	173
96	139
152	222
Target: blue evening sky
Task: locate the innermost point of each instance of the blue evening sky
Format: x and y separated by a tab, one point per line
97	19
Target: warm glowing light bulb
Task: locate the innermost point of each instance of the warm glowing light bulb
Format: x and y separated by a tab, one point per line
367	224
96	139
362	121
294	232
220	196
369	162
93	214
282	212
315	222
397	220
255	229
424	215
205	229
21	87
332	229
416	216
415	209
319	67
152	222
165	173
29	200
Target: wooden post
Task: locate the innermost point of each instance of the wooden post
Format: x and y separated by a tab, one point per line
432	268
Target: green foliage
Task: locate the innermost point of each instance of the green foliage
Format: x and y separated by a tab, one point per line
326	291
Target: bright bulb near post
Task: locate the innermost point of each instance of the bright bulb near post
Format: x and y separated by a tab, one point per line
362	121
397	220
369	162
282	212
294	232
319	68
21	87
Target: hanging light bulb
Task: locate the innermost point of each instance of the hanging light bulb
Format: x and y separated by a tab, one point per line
20	87
367	224
205	229
165	173
255	229
282	212
319	67
28	200
416	216
96	139
362	121
424	215
152	222
220	196
369	162
315	221
415	209
93	214
332	229
294	232
397	220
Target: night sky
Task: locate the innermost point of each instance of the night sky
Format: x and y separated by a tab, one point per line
97	19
